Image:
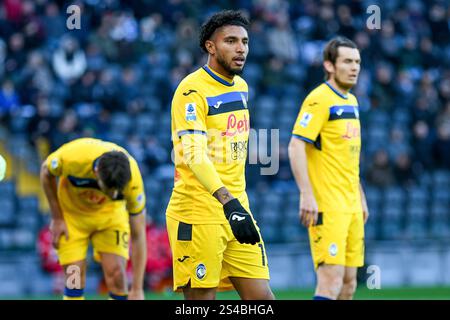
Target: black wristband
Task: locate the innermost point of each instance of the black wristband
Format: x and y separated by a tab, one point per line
231	206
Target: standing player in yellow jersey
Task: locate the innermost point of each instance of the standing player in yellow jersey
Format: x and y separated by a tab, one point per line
324	154
99	198
214	238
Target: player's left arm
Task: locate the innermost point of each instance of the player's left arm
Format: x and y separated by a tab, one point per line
364	203
135	197
138	254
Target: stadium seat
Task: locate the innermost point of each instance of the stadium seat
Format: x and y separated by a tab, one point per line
252	73
440	229
121	122
145	124
293	233
394	196
392	222
371	230
271	233
441	194
424	180
7	215
417	221
269	216
29	204
417	195
440	210
12	285
23	238
379	118
266	103
152	185
441	178
153	104
7	189
401	118
373	197
30	219
393	211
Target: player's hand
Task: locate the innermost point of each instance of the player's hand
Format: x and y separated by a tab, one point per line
58	228
308	209
365	212
241	222
136	294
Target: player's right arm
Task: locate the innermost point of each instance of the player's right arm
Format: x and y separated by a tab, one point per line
189	112
307	127
299	164
50	169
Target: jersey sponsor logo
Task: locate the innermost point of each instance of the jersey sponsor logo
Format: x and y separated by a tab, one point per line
235	127
312	104
200	271
339	112
191	114
239	150
351	131
176	176
333	249
189	92
140	198
306	118
237	217
93	197
217	104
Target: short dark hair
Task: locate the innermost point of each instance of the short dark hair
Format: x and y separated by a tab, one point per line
330	53
114	169
220	19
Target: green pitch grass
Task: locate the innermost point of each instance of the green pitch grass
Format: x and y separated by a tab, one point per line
406	293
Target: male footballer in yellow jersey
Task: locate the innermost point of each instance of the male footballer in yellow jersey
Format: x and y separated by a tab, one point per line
99	197
324	154
215	241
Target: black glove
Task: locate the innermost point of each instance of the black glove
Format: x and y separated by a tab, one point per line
241	222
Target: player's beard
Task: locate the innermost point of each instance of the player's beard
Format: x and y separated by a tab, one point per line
227	66
343	85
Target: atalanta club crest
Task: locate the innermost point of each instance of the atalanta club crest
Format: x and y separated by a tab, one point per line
333	249
200	271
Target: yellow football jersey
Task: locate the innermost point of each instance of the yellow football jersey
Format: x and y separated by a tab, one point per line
209	104
329	122
78	191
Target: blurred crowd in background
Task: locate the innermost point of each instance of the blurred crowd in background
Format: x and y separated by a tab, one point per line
115	76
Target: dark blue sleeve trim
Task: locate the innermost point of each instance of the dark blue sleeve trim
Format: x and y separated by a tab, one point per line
303	138
183	132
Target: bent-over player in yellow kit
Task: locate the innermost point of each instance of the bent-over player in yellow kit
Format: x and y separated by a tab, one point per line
98	197
324	153
214	239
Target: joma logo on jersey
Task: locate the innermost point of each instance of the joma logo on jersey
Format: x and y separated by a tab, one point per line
235	127
351	132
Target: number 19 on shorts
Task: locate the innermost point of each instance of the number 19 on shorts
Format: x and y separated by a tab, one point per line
122	238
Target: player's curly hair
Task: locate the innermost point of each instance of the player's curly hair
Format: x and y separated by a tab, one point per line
114	169
220	19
